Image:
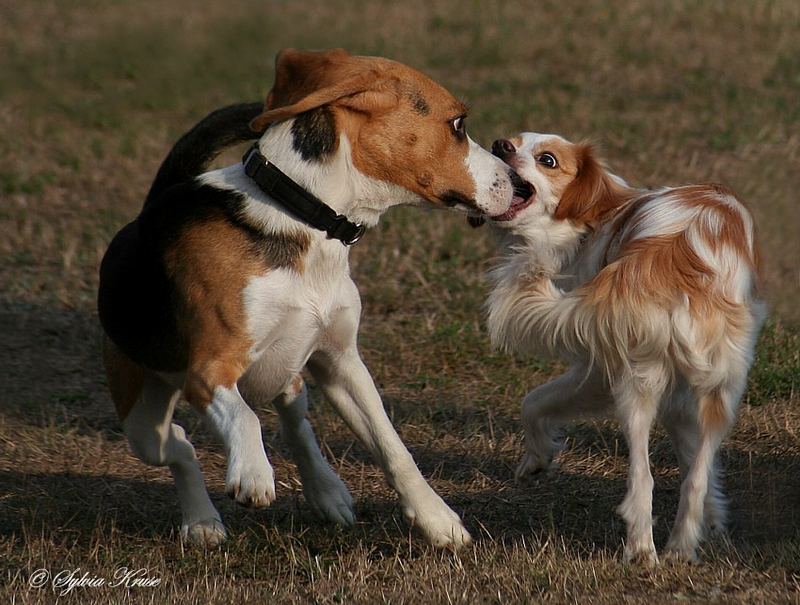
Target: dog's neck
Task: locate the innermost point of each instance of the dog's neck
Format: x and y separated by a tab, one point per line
544	250
333	179
562	251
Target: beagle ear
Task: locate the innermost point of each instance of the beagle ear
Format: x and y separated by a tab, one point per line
370	101
592	192
305	80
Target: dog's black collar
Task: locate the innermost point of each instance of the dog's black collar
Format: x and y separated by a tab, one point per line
299	202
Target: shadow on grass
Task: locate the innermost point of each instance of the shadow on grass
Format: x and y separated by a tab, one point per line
53	373
52	370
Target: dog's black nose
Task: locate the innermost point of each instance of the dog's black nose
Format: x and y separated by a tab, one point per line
503	148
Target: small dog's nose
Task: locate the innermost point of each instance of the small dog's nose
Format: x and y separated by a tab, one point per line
503	148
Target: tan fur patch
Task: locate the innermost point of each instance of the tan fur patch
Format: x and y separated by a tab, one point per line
295	387
665	268
211	264
659	270
587	193
125	378
714	417
732	231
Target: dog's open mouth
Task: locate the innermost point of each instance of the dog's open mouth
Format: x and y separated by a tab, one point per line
523	197
524	193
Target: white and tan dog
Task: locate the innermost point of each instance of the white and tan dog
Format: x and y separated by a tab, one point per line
218	295
652	296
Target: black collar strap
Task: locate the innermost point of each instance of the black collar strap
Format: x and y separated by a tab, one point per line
299	202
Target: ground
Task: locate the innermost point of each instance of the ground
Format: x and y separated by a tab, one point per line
93	93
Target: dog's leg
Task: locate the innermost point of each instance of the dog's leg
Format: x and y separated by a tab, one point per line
637	401
145	405
158	441
700	485
325	492
350	389
250	479
681	423
578	392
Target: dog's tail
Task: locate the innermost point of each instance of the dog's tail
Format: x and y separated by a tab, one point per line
195	150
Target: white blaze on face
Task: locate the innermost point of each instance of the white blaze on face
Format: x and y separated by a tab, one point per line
493	188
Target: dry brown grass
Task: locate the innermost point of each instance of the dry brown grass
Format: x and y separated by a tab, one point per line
91	96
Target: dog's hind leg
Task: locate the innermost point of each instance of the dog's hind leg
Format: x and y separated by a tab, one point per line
681	423
325	492
637	397
700	487
145	404
579	392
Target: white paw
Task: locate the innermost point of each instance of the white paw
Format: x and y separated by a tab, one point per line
641	554
250	481
682	548
329	499
208	533
681	555
440	526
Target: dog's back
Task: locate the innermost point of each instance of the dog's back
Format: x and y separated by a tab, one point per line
136	298
680	274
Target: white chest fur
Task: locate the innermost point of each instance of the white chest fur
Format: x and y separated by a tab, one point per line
291	315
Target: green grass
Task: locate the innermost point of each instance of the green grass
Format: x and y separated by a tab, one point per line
92	94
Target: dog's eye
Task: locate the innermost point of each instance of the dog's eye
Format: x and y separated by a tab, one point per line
547	159
458	126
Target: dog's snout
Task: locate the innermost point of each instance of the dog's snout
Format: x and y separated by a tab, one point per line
503	148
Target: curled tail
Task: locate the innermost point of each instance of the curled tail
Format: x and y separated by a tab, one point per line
534	317
196	149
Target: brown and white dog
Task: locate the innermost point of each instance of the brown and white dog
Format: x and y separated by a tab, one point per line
215	294
652	296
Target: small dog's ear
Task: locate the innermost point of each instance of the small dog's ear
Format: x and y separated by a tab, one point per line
592	192
475	221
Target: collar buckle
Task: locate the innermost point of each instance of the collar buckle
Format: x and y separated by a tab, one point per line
345	231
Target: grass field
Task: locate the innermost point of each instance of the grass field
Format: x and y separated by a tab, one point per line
93	93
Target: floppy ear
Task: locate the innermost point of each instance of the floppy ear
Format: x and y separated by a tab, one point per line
370	101
306	80
592	192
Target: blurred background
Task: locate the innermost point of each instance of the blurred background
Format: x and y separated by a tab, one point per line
94	92
686	91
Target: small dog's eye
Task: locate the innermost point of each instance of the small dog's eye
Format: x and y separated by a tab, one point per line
547	159
458	126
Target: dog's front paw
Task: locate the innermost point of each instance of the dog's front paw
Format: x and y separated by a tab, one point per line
682	547
208	533
329	499
250	482
674	554
438	523
641	554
